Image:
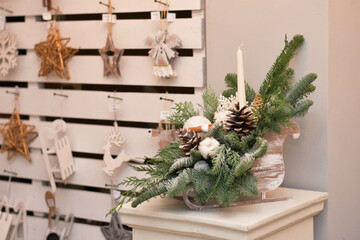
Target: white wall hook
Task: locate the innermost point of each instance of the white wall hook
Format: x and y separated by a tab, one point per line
65	164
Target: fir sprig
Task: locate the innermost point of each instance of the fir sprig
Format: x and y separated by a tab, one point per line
183	111
178	185
278	71
281	101
181	163
153	191
231	84
302	108
210	103
301	89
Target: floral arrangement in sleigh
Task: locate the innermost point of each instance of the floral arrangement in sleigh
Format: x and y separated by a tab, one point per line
232	153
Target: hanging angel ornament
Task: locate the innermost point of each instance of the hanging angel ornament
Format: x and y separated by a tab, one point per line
162	46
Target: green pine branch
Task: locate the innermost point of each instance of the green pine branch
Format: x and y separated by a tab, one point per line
247	142
280	65
210	103
247	161
231	83
250	93
301	89
181	163
177	185
281	83
302	108
232	141
153	191
226	195
219	160
195	154
247	185
218	132
203	183
183	111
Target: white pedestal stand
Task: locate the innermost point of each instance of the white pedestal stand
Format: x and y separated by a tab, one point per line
165	219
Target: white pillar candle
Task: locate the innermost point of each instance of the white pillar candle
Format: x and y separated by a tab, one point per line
241	78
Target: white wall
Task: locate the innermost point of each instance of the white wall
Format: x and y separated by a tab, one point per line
344	135
261	26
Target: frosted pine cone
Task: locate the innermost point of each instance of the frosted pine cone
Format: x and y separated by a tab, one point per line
241	120
189	140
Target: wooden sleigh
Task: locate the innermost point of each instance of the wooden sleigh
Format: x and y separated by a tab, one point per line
270	171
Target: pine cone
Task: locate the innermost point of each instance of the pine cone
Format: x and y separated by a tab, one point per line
241	121
258	102
189	140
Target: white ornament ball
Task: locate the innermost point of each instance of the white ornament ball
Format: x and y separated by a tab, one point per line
196	121
202	165
208	147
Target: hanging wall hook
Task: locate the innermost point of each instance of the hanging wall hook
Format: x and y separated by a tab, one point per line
15	93
61	95
157	1
101	3
10	172
117	98
6	10
113	186
166	99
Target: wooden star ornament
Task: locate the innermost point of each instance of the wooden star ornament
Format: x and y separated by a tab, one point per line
111	66
54	54
16	136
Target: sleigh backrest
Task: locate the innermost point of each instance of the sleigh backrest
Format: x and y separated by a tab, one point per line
270	169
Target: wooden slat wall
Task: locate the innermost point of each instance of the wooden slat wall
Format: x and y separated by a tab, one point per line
82	72
86	108
28	8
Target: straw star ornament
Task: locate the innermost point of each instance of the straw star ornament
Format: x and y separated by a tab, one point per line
54	54
16	136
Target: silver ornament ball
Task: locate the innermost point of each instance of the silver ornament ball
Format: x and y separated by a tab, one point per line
202	165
